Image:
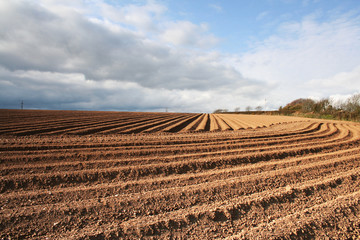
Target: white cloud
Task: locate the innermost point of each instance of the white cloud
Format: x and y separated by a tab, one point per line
340	83
216	7
302	52
185	33
262	15
143	17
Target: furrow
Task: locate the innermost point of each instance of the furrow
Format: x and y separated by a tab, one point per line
242	212
180	167
225	150
134	186
337	218
204	125
141	127
193	125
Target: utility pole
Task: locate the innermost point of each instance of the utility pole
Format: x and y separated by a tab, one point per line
22	104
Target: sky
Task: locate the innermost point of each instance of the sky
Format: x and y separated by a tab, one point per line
179	56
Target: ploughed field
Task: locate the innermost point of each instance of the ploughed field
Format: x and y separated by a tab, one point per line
118	175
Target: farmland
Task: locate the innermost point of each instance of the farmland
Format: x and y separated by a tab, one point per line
127	175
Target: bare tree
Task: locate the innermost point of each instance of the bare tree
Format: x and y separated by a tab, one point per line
220	110
353	104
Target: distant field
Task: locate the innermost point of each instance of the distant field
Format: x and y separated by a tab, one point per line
29	122
119	175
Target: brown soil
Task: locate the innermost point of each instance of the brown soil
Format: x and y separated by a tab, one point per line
109	175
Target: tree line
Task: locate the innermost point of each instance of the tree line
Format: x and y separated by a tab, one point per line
348	109
237	110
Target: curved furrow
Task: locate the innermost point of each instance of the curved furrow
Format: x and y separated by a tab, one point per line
97	120
88	129
51	122
152	126
158	149
337	218
99	164
25	198
172	200
285	130
35	129
207	149
136	121
130	124
30	144
70	121
243	148
245	212
255	121
103	164
179	167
